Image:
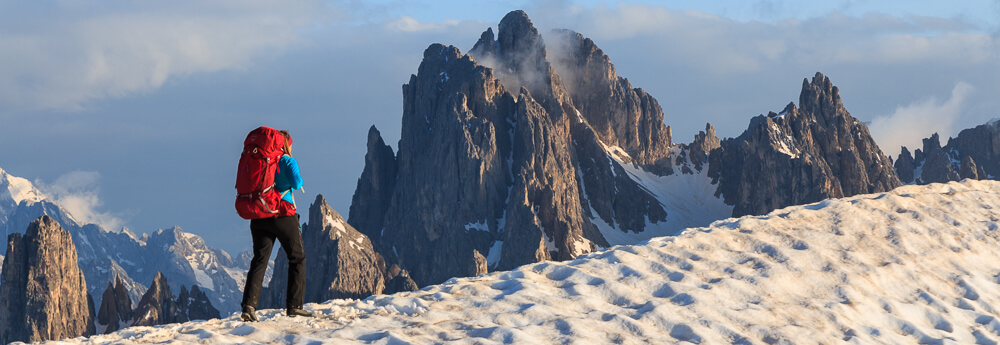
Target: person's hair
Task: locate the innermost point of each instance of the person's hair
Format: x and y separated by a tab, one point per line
288	143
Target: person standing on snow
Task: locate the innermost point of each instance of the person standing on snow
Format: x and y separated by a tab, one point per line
285	228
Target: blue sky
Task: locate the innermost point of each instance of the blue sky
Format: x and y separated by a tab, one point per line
135	112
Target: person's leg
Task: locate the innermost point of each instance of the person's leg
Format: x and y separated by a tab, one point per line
262	232
291	240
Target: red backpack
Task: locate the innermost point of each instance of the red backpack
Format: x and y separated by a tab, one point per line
255	194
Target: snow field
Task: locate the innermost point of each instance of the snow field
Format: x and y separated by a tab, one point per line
920	264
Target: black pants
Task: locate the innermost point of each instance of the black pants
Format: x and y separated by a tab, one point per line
286	231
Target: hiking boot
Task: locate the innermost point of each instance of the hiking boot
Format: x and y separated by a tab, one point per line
297	311
249	314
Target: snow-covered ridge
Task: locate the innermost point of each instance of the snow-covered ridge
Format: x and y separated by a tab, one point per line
919	264
20	189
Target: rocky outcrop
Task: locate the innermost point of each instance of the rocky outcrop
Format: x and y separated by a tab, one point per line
398	280
905	166
495	163
974	153
195	305
116	308
804	154
375	186
524	151
158	305
620	115
43	293
968	169
340	262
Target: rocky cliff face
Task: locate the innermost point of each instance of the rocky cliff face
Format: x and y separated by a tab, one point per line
527	150
115	309
158	305
497	165
620	115
195	305
974	153
803	154
43	294
340	263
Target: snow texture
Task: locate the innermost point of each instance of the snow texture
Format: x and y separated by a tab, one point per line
919	264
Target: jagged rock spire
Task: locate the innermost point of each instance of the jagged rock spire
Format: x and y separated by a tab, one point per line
43	293
803	155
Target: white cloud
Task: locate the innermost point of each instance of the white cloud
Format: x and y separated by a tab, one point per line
83	52
409	24
909	124
77	192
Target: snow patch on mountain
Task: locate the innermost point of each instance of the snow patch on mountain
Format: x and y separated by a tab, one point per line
918	264
20	189
689	200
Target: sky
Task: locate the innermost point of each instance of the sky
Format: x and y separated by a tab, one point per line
133	113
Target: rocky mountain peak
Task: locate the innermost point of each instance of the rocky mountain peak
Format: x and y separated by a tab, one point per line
43	293
518	57
157	306
198	305
342	263
974	153
932	143
803	155
378	180
116	307
620	115
520	46
821	97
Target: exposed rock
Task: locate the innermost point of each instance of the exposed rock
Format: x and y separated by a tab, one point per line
43	293
109	270
544	219
157	306
116	307
196	304
905	166
341	262
702	146
375	186
398	280
800	156
456	114
974	153
480	176
937	167
968	169
620	115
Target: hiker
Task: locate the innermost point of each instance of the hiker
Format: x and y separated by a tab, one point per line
284	227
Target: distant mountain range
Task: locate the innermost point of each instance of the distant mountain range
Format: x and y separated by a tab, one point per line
104	254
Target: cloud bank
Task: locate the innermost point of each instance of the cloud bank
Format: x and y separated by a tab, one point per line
67	53
77	192
911	123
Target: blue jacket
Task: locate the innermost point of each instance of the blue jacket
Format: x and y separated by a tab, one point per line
287	178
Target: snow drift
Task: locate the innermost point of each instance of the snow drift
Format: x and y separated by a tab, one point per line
919	264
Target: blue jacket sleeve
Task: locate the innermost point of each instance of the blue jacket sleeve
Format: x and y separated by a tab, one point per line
291	166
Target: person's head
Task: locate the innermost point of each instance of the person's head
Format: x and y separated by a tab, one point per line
288	143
